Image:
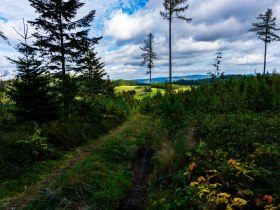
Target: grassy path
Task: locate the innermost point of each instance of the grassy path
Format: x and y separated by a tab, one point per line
136	197
97	176
20	201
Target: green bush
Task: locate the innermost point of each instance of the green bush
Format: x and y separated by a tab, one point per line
21	149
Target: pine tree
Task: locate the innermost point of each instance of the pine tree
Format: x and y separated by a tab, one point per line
217	65
265	30
30	91
148	55
174	9
92	70
59	38
109	89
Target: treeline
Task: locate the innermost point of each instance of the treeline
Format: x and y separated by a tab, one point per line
203	81
218	145
122	82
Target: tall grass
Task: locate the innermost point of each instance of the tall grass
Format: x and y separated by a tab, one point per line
100	180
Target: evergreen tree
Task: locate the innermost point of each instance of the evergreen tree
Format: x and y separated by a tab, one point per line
109	87
30	91
59	38
265	29
148	55
174	9
217	65
92	70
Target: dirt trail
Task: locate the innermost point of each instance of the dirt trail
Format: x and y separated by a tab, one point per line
21	200
135	199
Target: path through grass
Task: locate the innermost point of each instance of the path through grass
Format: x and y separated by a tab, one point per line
102	177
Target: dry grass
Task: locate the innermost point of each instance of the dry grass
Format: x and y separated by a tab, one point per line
166	158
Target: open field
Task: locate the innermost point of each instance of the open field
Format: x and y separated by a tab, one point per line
140	90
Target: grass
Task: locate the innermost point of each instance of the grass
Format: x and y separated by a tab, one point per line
26	183
120	89
140	90
101	179
151	94
183	88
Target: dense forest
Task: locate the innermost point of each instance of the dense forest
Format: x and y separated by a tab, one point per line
71	138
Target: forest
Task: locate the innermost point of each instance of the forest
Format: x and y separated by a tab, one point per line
72	138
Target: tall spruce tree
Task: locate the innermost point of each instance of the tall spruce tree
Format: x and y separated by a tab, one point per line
173	10
148	55
265	30
60	37
30	91
93	72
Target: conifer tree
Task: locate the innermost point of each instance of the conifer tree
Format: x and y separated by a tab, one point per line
148	55
265	30
109	87
30	91
60	37
217	66
92	70
173	10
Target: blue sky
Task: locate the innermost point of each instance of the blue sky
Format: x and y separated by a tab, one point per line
218	25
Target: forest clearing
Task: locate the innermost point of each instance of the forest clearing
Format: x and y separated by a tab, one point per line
72	138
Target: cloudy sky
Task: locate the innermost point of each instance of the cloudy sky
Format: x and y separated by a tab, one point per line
218	25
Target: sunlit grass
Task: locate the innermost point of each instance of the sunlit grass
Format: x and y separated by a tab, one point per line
102	178
140	92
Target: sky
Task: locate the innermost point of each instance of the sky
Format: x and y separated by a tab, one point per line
217	25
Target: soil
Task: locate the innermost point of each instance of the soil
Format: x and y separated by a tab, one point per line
136	197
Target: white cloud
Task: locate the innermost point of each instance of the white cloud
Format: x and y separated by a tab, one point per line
248	59
218	25
125	27
189	45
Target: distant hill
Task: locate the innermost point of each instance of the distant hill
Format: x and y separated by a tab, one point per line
165	79
190	78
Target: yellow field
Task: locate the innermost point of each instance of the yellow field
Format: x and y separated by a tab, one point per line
140	93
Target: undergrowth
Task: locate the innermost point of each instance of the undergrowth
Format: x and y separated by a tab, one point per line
100	180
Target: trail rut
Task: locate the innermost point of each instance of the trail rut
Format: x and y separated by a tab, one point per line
135	199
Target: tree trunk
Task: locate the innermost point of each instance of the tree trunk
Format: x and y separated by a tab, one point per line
62	47
264	63
170	49
150	79
151	51
63	69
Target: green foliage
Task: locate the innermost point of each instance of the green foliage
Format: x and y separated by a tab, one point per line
121	82
33	101
30	91
62	41
21	149
172	114
35	143
5	102
101	179
92	73
236	166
